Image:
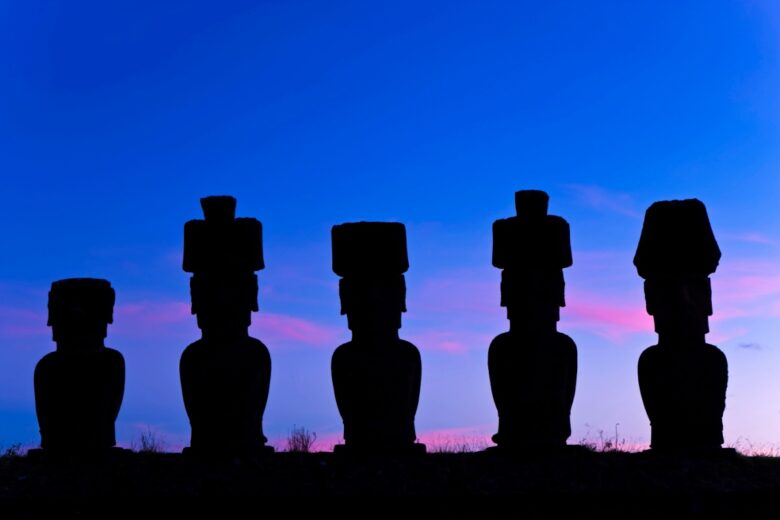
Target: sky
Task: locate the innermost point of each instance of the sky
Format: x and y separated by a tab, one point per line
116	117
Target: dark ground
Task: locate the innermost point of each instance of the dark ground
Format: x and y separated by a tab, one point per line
579	481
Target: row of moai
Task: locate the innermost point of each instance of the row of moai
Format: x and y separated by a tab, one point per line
225	375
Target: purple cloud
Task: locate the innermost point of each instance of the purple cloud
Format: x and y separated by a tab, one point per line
20	323
274	328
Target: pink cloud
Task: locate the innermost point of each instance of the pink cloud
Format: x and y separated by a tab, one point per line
281	328
445	341
153	312
745	288
138	319
611	319
174	317
272	328
728	313
19	323
742	289
460	310
466	301
151	318
721	334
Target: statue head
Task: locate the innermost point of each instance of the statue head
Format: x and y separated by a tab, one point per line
223	253
532	248
677	253
371	257
80	310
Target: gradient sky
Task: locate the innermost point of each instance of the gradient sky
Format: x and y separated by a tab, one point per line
116	117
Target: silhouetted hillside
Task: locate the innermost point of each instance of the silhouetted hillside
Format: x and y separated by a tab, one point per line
580	481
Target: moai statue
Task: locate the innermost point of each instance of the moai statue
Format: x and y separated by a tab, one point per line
79	387
226	374
682	379
533	367
376	376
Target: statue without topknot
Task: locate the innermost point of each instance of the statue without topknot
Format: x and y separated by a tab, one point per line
533	367
376	375
682	379
225	375
79	387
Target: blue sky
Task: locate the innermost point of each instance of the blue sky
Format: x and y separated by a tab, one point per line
115	118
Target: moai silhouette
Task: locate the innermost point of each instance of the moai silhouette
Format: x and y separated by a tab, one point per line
682	379
79	387
533	367
226	374
376	376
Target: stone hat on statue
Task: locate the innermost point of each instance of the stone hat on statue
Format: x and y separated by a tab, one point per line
90	298
676	240
369	248
222	243
533	239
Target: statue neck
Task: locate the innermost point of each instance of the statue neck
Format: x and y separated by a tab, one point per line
223	334
532	327
374	335
80	345
681	339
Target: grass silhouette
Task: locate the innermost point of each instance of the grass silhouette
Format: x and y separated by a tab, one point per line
149	442
300	440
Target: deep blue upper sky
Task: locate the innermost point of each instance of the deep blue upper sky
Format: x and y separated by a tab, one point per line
116	117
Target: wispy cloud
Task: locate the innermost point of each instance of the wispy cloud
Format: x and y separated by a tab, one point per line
457	340
721	332
175	318
605	200
149	320
736	288
752	237
153	320
453	313
463	312
464	291
20	323
614	320
282	329
153	313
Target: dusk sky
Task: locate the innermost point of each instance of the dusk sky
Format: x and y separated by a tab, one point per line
116	117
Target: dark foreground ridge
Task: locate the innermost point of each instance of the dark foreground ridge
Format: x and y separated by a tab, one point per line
576	479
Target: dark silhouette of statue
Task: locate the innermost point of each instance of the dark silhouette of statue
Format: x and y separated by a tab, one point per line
533	367
226	374
79	387
682	379
376	376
